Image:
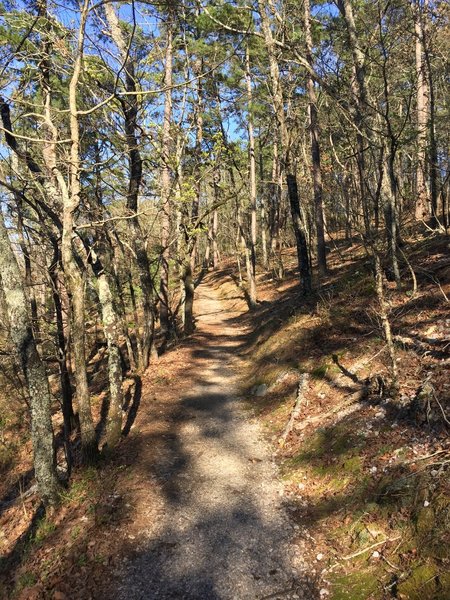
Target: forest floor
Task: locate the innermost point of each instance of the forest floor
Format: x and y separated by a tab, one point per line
201	500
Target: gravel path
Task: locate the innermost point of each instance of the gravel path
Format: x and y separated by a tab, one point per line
225	533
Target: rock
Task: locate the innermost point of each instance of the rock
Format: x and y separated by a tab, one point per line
421	585
319	556
425	521
259	390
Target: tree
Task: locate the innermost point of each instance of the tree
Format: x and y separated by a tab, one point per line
21	333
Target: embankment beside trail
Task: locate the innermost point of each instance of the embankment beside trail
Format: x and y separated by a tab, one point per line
366	474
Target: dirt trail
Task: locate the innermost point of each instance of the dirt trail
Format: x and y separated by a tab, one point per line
224	532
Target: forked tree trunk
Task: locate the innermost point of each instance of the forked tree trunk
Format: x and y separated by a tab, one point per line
74	276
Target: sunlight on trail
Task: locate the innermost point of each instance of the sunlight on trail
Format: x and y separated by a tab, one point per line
225	533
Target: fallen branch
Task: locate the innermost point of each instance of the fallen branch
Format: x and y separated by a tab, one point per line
339	411
419	458
355	554
304	378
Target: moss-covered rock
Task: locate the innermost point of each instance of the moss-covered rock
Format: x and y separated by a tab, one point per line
425	521
423	584
354	586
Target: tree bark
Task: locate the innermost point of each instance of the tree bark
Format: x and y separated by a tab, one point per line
166	183
130	107
286	163
74	276
33	369
315	147
252	182
422	97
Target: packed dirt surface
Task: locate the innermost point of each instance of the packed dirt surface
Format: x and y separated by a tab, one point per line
223	530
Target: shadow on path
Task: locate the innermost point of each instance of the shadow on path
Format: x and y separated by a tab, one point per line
225	533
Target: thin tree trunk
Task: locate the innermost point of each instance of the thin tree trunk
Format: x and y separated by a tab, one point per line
103	270
215	246
166	183
265	262
62	343
130	106
302	246
315	148
111	329
384	315
359	92
433	150
422	196
289	171
28	273
252	171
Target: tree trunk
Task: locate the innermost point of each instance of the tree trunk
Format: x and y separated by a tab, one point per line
166	183
252	183
74	276
422	197
130	112
111	328
359	106
384	315
287	167
265	262
315	148
62	343
432	151
302	246
33	369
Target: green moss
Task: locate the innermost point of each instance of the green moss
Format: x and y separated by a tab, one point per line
421	585
353	465
328	443
354	586
425	521
82	560
444	586
320	371
26	580
44	529
361	536
80	488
